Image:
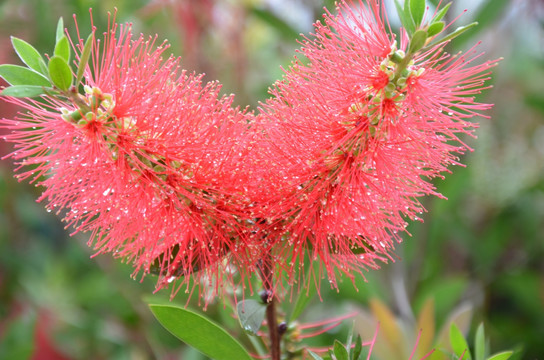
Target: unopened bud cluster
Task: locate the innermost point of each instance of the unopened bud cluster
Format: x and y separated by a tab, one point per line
93	106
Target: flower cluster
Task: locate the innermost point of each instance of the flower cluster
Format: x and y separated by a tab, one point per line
359	125
167	174
146	160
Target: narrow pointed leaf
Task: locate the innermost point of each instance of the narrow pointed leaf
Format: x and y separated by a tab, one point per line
454	34
43	68
404	16
435	28
84	59
501	356
440	14
23	91
19	75
400	12
479	343
302	301
410	24
60	30
461	317
60	73
350	341
251	315
200	333
389	327
304	297
27	53
417	10
417	41
458	342
340	351
426	324
358	348
62	49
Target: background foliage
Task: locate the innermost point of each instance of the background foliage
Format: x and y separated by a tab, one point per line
477	257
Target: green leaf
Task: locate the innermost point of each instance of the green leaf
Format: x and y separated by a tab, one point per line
27	53
358	347
435	28
60	73
405	16
23	91
200	333
417	10
43	67
251	315
350	341
458	342
302	301
314	355
417	41
84	59
501	356
340	351
60	30
62	49
400	11
439	15
479	343
426	320
453	35
19	75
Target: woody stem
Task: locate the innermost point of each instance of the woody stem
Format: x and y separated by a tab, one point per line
273	333
402	66
271	313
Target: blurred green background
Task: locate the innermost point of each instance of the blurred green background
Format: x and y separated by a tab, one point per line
478	257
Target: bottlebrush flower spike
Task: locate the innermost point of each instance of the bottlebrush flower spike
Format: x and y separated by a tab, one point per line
357	128
145	160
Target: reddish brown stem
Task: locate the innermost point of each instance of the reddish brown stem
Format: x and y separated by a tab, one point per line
273	333
271	313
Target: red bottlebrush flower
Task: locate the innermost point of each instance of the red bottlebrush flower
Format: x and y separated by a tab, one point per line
146	160
357	129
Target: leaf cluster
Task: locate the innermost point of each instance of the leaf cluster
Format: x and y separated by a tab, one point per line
423	35
38	77
481	348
